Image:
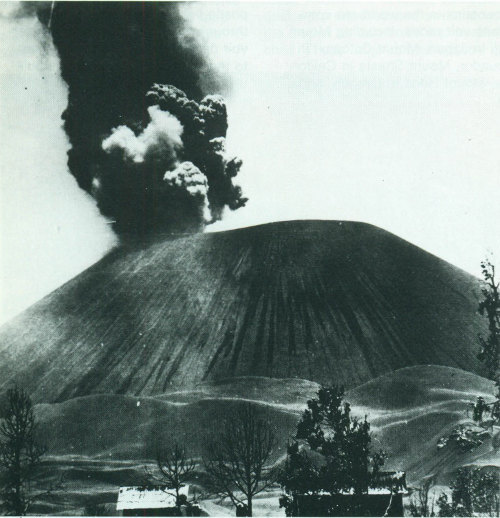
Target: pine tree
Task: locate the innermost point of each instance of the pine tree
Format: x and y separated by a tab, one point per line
341	444
20	454
473	491
489	306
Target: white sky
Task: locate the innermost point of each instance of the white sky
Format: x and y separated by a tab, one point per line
384	113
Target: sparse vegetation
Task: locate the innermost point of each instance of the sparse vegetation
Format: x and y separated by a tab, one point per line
20	453
465	436
237	457
421	502
473	492
479	408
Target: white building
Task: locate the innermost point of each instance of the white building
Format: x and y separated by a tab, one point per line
148	500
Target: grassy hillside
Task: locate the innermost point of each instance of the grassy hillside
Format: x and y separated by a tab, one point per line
319	300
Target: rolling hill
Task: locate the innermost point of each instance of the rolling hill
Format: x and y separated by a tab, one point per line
119	427
411	409
325	301
103	441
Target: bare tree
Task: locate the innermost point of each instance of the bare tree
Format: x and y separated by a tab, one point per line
20	455
175	468
421	503
236	458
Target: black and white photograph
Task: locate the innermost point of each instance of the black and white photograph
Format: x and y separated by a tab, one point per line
249	258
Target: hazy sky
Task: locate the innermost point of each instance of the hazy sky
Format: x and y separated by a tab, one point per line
388	114
50	230
384	113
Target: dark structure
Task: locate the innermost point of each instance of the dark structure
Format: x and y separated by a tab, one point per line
384	498
349	505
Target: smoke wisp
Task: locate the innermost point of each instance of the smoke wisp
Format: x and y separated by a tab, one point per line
147	130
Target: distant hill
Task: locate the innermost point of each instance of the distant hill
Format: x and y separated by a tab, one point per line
412	408
113	430
325	301
421	385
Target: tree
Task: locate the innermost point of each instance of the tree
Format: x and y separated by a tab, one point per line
236	458
421	503
473	492
175	469
478	409
490	306
338	458
20	454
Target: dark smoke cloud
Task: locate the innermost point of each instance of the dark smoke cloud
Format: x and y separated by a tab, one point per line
146	130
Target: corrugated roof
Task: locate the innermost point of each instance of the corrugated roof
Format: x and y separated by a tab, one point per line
147	497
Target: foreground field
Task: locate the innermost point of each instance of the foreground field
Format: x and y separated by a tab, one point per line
101	442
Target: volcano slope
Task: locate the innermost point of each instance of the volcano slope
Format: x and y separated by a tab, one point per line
325	301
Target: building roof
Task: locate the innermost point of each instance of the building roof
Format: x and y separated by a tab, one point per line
388	480
147	497
384	483
371	491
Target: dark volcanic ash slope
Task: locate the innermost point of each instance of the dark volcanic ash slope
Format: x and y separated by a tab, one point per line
332	302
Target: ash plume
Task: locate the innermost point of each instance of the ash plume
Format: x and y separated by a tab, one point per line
161	135
146	126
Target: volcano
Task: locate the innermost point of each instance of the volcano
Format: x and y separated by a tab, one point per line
325	301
